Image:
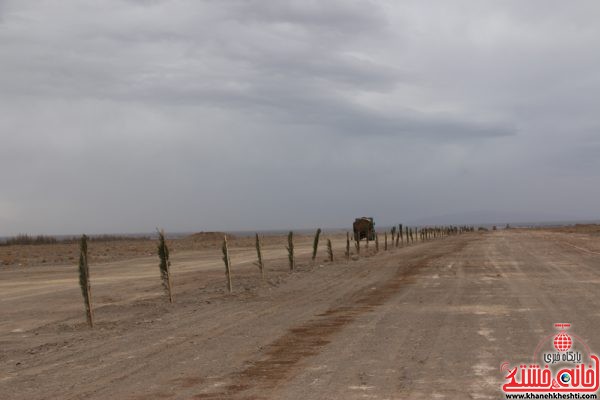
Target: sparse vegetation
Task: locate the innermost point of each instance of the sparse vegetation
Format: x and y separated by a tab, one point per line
115	238
84	280
385	241
29	240
165	264
26	240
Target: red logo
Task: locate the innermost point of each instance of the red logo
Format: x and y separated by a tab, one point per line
562	341
558	366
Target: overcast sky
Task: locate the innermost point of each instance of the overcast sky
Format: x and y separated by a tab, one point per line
123	115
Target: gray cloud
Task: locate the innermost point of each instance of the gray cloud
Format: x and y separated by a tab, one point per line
256	114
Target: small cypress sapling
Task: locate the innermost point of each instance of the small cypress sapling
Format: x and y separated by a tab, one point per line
393	233
260	264
347	253
329	250
400	234
385	241
227	261
290	249
84	280
165	264
316	244
357	245
376	242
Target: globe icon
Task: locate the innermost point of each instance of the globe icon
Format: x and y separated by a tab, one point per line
562	342
565	378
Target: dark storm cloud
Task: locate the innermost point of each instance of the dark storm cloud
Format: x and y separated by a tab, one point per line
259	114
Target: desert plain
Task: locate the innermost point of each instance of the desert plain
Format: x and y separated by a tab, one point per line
431	319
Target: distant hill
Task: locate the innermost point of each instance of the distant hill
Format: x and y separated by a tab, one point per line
209	236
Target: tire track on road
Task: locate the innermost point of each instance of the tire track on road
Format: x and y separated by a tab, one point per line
307	339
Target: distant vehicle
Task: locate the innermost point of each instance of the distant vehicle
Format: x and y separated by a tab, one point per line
494	228
364	228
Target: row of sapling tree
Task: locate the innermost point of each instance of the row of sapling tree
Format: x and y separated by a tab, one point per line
398	236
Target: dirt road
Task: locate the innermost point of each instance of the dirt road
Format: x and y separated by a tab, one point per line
431	320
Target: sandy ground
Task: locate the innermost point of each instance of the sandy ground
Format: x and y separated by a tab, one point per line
431	320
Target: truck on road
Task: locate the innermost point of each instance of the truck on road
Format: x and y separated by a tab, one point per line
364	228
